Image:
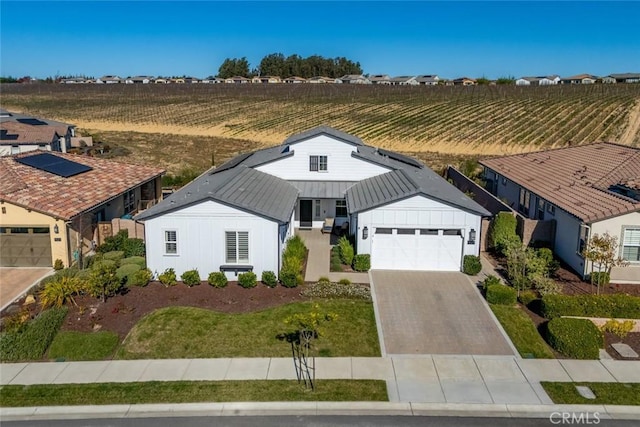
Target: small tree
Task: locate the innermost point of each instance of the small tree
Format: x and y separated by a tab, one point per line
103	281
601	251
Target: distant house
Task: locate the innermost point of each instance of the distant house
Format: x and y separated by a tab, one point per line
237	80
161	80
527	81
622	78
428	80
357	79
178	80
139	80
538	81
295	79
20	133
549	80
403	81
464	81
109	80
380	79
584	79
52	203
191	80
586	189
74	80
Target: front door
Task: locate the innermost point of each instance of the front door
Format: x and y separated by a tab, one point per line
306	213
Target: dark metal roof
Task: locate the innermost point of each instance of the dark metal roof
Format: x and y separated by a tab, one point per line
242	187
323	130
322	189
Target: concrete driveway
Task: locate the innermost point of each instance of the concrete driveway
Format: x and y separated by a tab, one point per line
434	313
14	282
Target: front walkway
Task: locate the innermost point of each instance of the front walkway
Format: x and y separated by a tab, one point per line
319	247
16	281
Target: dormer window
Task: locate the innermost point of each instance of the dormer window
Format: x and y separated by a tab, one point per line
318	163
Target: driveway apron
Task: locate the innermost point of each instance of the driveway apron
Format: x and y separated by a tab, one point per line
434	313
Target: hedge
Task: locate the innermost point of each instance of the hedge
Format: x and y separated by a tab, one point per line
126	272
31	341
575	338
501	294
471	265
609	306
139	260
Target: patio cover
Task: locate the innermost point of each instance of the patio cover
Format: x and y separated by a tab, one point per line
322	189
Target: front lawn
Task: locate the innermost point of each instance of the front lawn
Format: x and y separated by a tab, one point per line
190	391
606	393
72	345
522	332
189	332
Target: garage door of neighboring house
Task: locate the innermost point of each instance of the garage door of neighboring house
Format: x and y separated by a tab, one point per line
416	249
25	247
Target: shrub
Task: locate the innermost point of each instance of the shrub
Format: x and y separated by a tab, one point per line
619	328
527	297
471	265
57	292
552	264
191	277
296	248
601	277
500	294
334	290
292	263
217	279
31	341
502	232
323	279
609	306
269	278
89	260
133	247
346	251
491	280
58	264
141	277
344	281
103	281
113	256
575	338
290	278
247	279
104	263
139	260
362	262
114	243
335	263
168	277
546	286
125	273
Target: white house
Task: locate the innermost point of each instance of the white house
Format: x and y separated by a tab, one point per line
589	189
428	79
403	81
237	217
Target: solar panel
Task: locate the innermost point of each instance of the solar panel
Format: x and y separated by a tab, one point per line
54	164
5	135
231	163
400	158
33	122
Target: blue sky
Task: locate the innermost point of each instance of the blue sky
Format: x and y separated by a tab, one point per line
450	39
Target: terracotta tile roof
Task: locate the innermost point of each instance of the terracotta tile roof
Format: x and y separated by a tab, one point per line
67	197
21	133
576	179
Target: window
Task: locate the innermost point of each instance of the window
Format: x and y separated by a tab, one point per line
551	209
582	239
317	208
406	231
504	181
129	201
383	230
341	208
237	243
540	208
631	245
170	242
525	199
452	232
428	232
318	163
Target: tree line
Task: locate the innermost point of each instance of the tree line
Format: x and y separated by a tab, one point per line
276	64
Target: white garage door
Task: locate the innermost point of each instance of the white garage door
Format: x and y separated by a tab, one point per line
416	249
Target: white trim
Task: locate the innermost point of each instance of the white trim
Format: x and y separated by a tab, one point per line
165	242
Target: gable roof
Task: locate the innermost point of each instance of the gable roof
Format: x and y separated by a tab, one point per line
576	179
65	198
240	186
13	132
326	130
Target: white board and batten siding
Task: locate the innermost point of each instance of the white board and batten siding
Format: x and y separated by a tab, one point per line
200	233
340	165
615	227
418	251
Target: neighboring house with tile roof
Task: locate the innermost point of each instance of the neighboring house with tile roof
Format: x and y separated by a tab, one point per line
464	81
586	189
47	214
20	133
238	216
584	79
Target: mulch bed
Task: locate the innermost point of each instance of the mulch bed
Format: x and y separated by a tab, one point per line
121	312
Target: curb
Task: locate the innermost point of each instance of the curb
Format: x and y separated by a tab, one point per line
317	408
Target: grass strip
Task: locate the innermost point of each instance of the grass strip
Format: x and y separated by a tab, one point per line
606	393
72	345
188	332
190	391
522	332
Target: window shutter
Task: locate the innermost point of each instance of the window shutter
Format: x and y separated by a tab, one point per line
231	247
632	237
243	246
